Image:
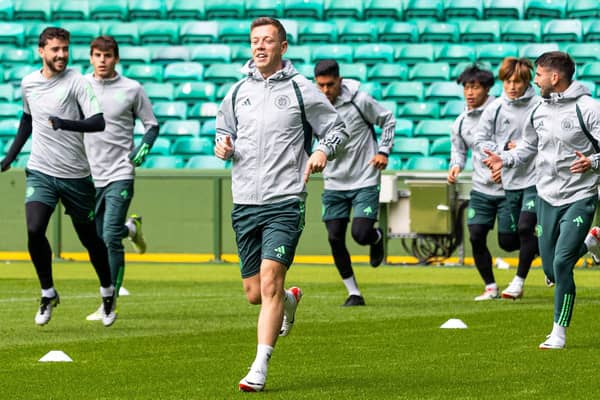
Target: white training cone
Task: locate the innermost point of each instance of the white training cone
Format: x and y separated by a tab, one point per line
501	264
454	323
56	356
123	291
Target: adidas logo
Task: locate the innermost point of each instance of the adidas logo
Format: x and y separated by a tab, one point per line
280	251
246	102
368	211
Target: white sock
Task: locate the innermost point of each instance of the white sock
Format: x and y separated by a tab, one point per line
518	280
559	332
491	286
263	355
49	292
132	230
352	286
107	292
289	301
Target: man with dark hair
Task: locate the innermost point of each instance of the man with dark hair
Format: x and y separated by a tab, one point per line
352	180
112	155
265	125
487	201
55	101
562	132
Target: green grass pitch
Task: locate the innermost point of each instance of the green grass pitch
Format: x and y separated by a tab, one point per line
187	332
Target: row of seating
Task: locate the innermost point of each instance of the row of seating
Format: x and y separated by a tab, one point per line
317	9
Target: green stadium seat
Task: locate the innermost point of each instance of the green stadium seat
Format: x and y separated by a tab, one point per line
222	90
161	146
584	52
10	110
343	9
7	92
338	52
443	92
264	8
402	92
494	53
433	129
426	164
452	109
177	129
480	31
199	32
224	9
178	72
21	161
206	162
419	111
169	54
191	146
6	10
12	33
460	67
185	9
208	128
166	110
147	9
145	73
583	9
79	55
441	147
456	53
303	9
590	85
387	73
82	32
374	89
317	32
38	10
299	54
534	50
69	9
32	30
395	31
195	91
306	70
424	9
358	31
9	127
430	72
203	111
521	31
134	55
391	106
414	53
562	30
463	9
109	9
395	162
439	32
505	9
590	71
291	29
404	127
233	31
163	91
356	71
497	89
591	30
14	75
374	53
125	33
163	162
223	73
11	57
408	146
210	53
545	8
161	32
383	9
25	150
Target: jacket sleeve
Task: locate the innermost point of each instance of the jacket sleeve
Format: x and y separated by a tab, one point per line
378	115
527	148
591	118
226	124
458	152
484	131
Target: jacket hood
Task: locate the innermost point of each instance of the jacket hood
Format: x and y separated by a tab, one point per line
573	92
529	93
288	70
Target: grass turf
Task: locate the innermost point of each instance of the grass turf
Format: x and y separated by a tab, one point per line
187	332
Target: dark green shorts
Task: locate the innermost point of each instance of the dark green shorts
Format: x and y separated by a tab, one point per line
523	200
76	194
268	231
338	203
484	209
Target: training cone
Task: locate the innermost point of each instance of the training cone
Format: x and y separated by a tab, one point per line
56	356
454	323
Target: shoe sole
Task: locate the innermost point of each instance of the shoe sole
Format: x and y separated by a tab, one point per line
251	389
509	296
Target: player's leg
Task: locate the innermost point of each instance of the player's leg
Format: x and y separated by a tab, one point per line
365	204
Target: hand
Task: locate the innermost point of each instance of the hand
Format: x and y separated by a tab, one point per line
224	148
581	164
138	155
453	174
493	161
379	161
497	176
511	145
55	122
316	163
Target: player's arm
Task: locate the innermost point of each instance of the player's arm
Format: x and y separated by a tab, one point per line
143	110
95	123
23	133
458	152
378	115
226	127
92	119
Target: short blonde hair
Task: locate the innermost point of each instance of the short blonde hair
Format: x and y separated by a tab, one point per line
512	65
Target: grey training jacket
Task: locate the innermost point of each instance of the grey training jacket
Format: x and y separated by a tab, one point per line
502	122
271	145
351	169
554	133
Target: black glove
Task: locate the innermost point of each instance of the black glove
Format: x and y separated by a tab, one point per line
56	123
4	165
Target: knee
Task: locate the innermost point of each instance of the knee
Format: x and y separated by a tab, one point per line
361	237
478	235
335	238
526	230
509	241
112	241
362	231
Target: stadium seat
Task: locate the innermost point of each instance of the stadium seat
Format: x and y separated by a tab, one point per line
429	72
590	71
591	30
395	31
494	53
6	92
402	92
69	9
443	92
178	72
441	147
299	54
562	30
480	31
426	164
306	70
424	9
533	51
404	127
391	106
264	8
374	53
159	91
169	54
210	53
199	32
14	75
303	9
460	67
452	109
109	9
163	162
545	8
147	9
408	146
12	33
195	91
505	9
317	32
185	9
208	128
497	89
291	30
383	9
223	73
233	31
14	57
439	32
203	111
584	52
145	73
463	9
10	110
356	71
433	129
21	161
358	31
134	55
123	32
175	129
414	53
395	162
79	55
583	9
338	52
387	73
6	10
38	10
455	53
166	110
521	31
25	150
590	85
418	111
373	88
9	127
190	146
222	90
206	162
224	9
343	9
161	146
161	32
82	32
